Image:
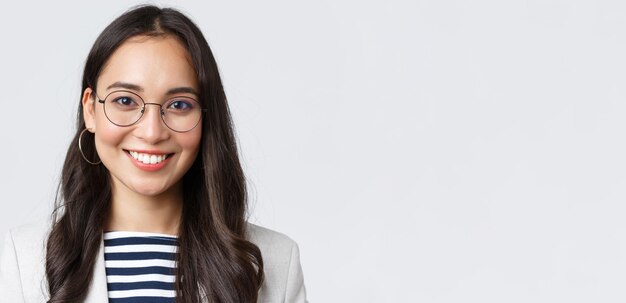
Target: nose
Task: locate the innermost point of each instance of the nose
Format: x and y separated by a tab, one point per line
151	127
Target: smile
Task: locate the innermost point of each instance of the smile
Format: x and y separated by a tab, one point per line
148	158
148	161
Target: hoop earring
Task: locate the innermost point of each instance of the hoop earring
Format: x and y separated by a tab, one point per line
80	148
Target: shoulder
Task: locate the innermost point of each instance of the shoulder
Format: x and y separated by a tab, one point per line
276	248
23	256
281	265
29	239
268	239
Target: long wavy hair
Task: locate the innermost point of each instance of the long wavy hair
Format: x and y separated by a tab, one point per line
217	262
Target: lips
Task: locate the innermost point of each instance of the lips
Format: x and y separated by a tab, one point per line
150	161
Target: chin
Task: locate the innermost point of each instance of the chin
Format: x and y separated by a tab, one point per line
149	191
143	186
147	186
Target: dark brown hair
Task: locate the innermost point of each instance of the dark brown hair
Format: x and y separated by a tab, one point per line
217	262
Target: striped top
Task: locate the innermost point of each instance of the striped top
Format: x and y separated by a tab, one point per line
140	266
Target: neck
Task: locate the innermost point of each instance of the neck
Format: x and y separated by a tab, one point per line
131	211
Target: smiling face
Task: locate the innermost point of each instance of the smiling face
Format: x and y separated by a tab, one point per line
146	158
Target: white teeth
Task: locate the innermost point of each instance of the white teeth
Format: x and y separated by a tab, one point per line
147	158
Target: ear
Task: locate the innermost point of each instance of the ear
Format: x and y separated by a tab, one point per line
89	109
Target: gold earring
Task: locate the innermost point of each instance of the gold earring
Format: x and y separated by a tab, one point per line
80	148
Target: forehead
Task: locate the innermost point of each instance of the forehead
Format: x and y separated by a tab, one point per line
156	64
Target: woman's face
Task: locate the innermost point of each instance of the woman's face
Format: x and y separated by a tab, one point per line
153	66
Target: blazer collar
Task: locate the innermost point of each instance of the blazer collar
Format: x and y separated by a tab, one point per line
98	288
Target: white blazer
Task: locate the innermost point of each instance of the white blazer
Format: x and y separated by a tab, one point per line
23	280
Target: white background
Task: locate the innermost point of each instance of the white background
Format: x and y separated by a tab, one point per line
417	151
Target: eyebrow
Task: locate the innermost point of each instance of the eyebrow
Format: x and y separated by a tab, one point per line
135	87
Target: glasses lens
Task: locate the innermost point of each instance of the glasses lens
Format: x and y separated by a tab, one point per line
123	108
182	114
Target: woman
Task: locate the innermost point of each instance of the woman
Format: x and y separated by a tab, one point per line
152	198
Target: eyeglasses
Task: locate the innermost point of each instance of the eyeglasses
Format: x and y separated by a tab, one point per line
125	108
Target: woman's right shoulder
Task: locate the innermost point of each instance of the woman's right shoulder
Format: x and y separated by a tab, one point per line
29	234
29	241
22	263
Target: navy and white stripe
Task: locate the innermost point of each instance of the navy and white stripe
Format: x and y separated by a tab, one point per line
140	266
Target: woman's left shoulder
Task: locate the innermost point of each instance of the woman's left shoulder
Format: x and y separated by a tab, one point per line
284	280
270	242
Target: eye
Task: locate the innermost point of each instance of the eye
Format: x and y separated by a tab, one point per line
124	101
180	105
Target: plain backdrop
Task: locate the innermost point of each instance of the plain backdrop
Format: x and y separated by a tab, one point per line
417	151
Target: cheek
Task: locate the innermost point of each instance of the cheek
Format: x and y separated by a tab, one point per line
107	134
190	142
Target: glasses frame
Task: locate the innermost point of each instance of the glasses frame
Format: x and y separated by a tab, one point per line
143	109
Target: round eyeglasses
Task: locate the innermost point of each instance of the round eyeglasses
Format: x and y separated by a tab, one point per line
125	108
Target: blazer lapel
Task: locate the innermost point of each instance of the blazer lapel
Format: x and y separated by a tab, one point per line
98	287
